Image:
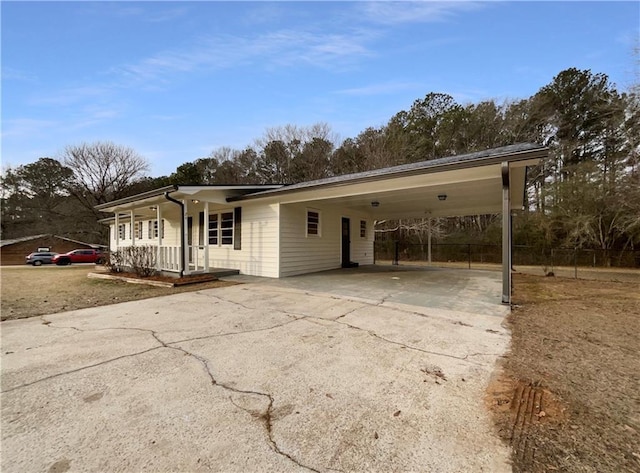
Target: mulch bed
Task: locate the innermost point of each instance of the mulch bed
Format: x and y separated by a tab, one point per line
183	281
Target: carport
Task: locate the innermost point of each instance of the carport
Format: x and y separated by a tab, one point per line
434	289
485	182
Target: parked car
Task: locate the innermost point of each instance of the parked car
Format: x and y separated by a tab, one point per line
38	258
78	256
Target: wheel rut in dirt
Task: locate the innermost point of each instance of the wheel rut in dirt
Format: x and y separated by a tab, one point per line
527	408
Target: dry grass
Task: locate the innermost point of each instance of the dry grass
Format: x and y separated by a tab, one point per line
579	342
32	291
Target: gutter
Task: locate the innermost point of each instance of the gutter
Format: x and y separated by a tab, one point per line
182	240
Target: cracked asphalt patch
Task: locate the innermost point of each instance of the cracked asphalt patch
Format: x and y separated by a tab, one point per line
250	378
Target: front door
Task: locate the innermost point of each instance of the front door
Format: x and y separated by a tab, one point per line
346	242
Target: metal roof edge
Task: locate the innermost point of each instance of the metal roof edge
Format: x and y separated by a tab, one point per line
178	187
133	198
406	170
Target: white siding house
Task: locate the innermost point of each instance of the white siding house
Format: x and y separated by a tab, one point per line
279	231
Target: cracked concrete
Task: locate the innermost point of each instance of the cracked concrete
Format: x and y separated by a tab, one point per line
250	378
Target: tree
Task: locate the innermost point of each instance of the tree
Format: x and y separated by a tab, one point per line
103	171
35	199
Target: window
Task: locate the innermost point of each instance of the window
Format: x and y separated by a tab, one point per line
138	227
226	228
363	229
152	229
313	223
122	231
213	229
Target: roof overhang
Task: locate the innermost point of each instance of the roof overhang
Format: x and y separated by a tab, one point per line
155	197
469	184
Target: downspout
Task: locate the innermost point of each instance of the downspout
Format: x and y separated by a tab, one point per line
182	241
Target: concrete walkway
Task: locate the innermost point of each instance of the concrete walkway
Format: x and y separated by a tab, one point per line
252	377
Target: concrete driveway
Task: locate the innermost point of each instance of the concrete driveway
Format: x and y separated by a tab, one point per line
252	377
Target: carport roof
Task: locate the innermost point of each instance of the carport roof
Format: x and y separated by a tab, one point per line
511	154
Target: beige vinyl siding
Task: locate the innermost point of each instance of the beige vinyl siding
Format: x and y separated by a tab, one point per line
301	254
259	253
171	234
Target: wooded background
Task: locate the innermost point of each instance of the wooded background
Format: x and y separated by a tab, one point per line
585	195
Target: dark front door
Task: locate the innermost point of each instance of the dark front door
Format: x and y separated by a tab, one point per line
346	243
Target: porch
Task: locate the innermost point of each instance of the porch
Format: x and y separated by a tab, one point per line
168	261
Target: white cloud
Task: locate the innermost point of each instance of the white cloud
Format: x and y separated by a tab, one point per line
25	127
70	95
393	13
381	89
9	73
282	48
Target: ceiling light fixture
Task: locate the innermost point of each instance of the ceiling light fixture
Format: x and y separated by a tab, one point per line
442	196
375	204
195	201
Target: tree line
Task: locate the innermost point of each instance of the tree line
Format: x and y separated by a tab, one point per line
586	194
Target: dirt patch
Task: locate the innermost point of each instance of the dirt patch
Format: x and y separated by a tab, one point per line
567	398
34	291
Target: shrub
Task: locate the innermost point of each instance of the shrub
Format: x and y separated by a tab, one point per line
140	259
115	263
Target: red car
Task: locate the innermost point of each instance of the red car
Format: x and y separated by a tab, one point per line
78	256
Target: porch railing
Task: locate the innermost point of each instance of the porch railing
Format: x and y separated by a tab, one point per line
169	258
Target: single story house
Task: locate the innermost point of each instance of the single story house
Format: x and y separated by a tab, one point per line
285	230
15	250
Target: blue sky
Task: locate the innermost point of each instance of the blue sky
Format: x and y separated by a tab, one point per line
176	80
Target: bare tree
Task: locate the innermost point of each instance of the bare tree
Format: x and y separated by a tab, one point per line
103	171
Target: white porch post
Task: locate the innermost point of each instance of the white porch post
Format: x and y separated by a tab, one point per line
506	235
205	232
117	223
159	220
185	229
133	225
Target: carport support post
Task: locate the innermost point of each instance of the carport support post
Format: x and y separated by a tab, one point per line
506	235
429	241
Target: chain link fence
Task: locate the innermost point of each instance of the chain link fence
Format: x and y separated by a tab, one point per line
478	255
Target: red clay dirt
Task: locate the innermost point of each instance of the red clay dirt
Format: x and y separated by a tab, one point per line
567	397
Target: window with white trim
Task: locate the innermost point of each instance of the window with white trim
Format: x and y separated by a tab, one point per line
226	228
213	229
138	230
122	231
221	228
313	223
152	229
363	229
